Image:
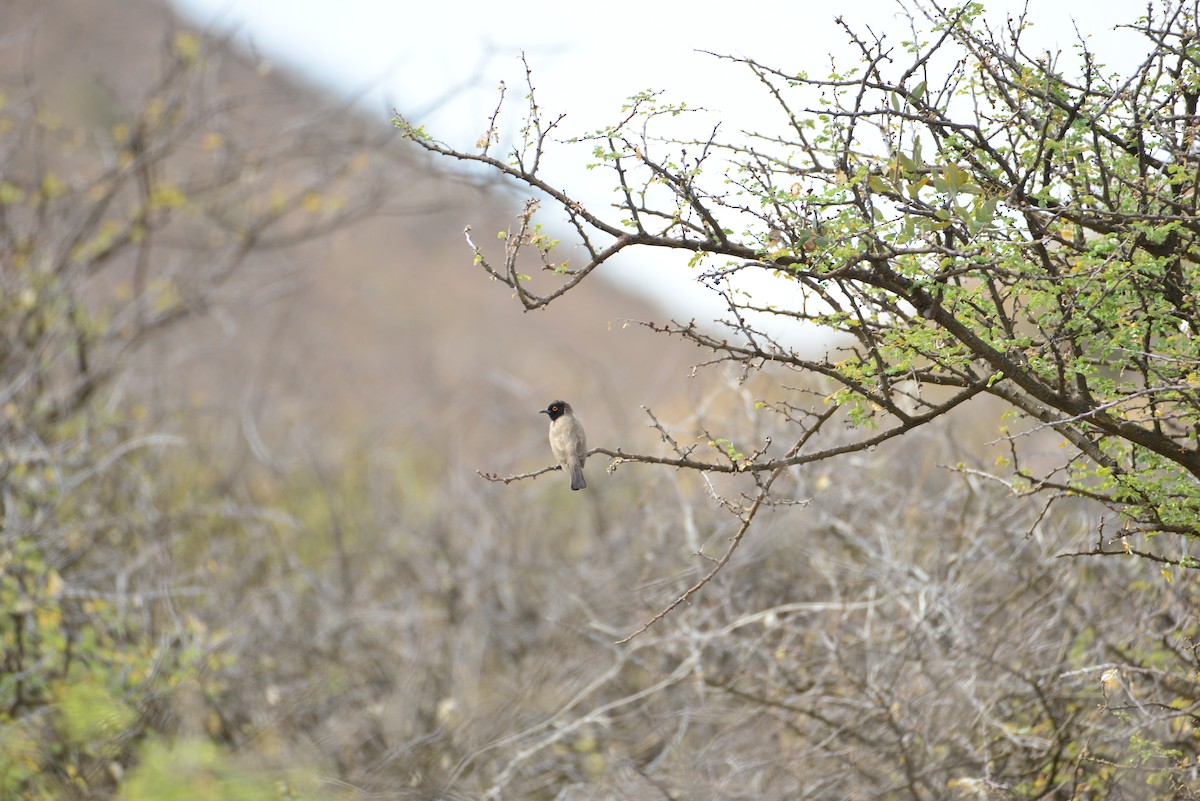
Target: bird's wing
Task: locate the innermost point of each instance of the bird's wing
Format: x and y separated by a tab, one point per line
581	441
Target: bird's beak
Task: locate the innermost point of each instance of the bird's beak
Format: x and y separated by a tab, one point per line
543	411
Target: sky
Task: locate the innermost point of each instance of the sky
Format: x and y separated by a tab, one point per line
440	64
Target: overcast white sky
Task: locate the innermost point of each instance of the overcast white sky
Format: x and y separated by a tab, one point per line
588	58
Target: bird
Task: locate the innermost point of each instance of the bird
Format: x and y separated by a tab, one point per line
567	441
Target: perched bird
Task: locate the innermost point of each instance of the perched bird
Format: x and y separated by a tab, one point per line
567	441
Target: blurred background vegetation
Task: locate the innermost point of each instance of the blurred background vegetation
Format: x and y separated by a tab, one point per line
247	377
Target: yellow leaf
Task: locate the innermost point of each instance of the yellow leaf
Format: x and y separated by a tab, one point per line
594	765
49	120
48	616
152	113
212	141
10	194
52	186
166	296
186	46
167	197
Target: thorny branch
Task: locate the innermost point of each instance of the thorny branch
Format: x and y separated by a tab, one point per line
1016	226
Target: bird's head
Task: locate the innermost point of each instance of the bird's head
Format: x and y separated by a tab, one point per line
557	409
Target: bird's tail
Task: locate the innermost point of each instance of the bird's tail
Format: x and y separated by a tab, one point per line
577	482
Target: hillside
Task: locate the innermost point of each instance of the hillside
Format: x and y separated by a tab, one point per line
388	330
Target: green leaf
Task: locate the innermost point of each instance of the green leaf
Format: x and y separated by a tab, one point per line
877	183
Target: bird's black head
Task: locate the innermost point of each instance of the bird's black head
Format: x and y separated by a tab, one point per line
557	409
